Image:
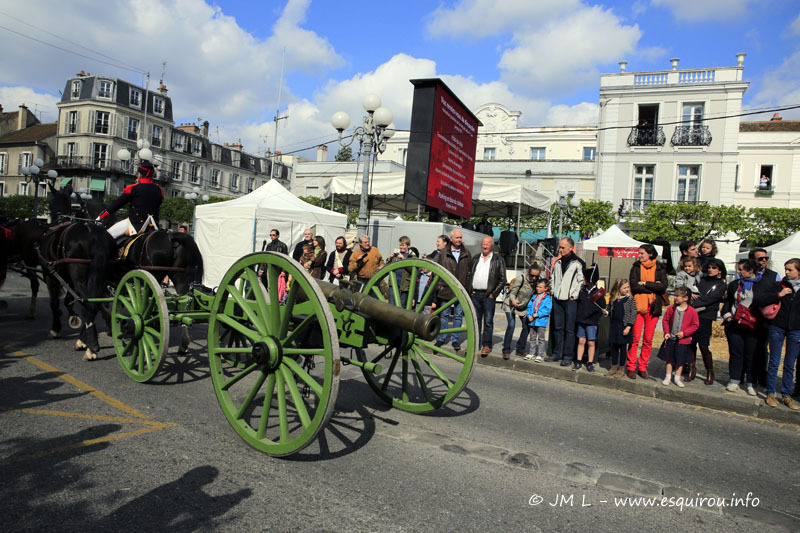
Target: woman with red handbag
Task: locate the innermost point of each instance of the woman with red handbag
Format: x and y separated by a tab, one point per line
744	297
784	327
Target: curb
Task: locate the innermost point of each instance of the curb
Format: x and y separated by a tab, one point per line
652	388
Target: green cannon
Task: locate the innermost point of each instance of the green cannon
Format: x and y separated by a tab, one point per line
276	355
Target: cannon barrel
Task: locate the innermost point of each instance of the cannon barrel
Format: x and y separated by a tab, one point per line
425	326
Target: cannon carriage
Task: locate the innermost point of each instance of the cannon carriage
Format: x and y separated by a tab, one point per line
275	355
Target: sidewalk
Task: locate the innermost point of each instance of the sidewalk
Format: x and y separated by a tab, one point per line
695	393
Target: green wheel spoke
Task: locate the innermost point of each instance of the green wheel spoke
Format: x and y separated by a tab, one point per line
433	367
263	307
248	311
405	378
428	293
239	328
235	379
127	304
142	355
304	351
134	357
274	318
119	316
307	321
412	288
395	289
235	349
303	375
153	333
390	371
287	310
282	417
421	378
446	353
263	421
250	396
454	330
378	294
151	346
383	353
445	306
297	399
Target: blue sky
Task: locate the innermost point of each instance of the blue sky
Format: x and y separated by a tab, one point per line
542	57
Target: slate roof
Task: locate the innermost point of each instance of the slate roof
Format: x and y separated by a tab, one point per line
771	125
33	133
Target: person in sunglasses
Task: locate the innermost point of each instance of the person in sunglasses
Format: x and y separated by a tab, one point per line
275	244
761	356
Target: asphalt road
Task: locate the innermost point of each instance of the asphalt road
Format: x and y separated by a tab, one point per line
82	446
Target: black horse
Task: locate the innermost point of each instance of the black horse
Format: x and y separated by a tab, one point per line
17	240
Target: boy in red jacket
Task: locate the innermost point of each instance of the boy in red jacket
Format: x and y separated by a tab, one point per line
679	322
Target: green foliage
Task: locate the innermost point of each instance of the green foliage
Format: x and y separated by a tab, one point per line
683	221
345	153
18	206
590	217
768	225
177	210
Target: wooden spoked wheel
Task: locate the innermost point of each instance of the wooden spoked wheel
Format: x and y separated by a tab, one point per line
420	376
140	325
274	361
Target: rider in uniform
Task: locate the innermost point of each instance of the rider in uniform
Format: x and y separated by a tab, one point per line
145	198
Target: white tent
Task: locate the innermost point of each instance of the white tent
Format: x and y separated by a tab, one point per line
226	231
613	237
781	252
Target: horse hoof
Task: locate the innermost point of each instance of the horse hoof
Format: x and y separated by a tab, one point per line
79	345
53	335
183	351
89	355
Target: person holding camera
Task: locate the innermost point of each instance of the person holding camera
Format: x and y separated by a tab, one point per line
365	261
402	276
516	303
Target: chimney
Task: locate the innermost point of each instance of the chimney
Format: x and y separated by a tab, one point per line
235	146
622	65
322	152
775	118
674	62
204	129
191	128
22	117
162	89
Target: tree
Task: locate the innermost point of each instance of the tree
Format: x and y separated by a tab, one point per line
19	206
345	153
590	217
177	209
695	222
768	225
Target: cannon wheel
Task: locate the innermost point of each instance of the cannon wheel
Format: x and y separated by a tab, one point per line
277	384
420	382
140	325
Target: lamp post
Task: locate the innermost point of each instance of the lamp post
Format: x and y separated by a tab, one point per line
31	173
376	130
193	196
143	153
566	199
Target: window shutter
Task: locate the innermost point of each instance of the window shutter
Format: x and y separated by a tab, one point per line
90	126
19	165
77	121
62	122
126	122
112	127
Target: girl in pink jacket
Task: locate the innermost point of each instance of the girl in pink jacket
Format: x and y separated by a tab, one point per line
680	322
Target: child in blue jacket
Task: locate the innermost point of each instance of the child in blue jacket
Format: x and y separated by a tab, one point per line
538	317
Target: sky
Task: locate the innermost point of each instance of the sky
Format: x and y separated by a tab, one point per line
543	58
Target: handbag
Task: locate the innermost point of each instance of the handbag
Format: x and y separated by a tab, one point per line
770	311
744	317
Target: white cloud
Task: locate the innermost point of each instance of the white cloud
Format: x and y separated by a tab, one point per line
564	115
796	25
42	104
694	11
565	53
780	87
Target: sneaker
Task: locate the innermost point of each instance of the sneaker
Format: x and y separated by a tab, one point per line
564	362
771	400
791	404
679	382
538	359
439	344
751	391
590	367
457	346
576	365
732	387
552	359
529	357
666	380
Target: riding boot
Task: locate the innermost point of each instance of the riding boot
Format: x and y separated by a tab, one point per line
708	362
692	369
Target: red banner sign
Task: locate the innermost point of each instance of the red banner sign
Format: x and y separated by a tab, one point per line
609	251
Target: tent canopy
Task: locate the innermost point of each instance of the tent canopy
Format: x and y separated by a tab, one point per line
613	237
226	231
386	193
782	251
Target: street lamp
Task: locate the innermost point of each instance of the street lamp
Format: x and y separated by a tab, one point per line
143	153
566	200
31	173
376	130
193	196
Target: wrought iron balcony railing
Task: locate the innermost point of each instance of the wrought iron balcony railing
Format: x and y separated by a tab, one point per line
691	136
638	205
646	136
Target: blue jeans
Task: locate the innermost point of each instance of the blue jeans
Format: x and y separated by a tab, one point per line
511	319
563	314
776	338
457	313
484	309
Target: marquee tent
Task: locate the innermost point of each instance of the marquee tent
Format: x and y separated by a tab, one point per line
613	242
226	231
386	193
782	251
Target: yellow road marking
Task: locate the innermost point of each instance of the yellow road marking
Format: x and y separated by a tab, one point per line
139	417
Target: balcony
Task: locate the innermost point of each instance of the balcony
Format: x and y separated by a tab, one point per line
646	136
630	206
66	162
691	136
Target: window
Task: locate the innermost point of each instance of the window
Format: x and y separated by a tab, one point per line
736	183
43	190
76	90
104	89
688	182
250	184
156	139
488	154
235	182
648	115
180	142
175	193
71	152
197	147
25	160
216	152
643	185
236	157
133	129
3	165
72	122
537	154
2	189
404	156
176	170
214	177
99	156
101	122
692	114
136	98
589	153
276	170
194	177
158	105
765	178
22	189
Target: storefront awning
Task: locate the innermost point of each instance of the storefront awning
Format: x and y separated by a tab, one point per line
64	182
98	184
